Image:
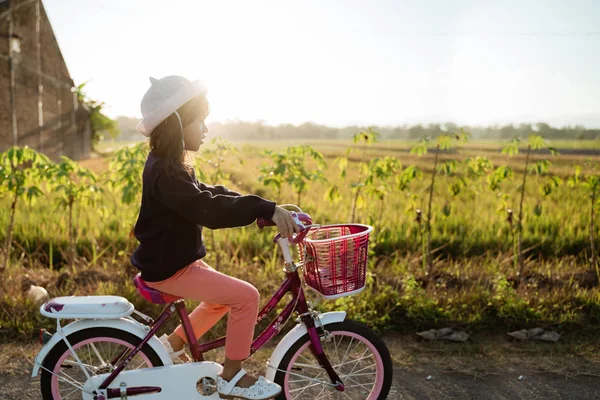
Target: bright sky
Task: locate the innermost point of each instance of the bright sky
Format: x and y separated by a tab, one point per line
344	62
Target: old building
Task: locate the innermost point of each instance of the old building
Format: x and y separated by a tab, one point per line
38	104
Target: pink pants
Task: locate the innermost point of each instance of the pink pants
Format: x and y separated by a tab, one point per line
219	293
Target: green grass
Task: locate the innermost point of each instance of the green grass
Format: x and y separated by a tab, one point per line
474	282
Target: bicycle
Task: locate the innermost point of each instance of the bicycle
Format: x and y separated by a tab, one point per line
106	353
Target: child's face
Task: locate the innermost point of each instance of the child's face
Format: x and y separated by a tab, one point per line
194	134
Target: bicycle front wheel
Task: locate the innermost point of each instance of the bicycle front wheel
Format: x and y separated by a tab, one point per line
358	355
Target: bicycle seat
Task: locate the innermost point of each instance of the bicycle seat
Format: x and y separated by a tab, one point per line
153	295
96	307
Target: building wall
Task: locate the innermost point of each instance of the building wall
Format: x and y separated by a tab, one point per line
65	124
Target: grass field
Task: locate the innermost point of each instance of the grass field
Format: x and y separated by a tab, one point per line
474	283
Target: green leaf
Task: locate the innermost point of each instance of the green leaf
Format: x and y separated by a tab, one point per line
360	202
512	148
332	194
536	142
446	210
444	142
419	150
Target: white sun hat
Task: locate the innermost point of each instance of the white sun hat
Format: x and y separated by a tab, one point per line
164	97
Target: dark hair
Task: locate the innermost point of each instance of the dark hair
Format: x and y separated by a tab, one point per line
165	140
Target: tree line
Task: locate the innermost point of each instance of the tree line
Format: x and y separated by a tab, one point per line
259	130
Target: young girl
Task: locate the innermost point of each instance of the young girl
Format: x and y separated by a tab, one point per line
175	207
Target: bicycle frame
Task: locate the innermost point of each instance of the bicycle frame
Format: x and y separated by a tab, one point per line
298	303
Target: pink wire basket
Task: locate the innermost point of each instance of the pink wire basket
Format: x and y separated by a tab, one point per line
335	259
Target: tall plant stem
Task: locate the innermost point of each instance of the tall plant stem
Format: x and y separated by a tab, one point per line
357	194
381	211
520	220
214	247
428	225
354	202
71	235
592	239
13	210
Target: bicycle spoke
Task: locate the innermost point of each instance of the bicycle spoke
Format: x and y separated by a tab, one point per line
357	385
346	354
358	359
324	387
312	366
305	358
302	389
356	373
70	393
89	353
306	387
110	353
337	353
353	368
74	364
97	352
141	364
69	379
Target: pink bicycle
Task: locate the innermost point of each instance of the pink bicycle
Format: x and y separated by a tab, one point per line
107	354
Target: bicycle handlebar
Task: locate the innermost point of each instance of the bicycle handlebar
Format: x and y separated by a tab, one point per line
261	222
302	219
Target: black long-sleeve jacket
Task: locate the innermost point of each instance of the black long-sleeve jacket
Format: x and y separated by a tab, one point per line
175	207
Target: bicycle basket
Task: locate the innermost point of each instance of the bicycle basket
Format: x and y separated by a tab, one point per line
335	259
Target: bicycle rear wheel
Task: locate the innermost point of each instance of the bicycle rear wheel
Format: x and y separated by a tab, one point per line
358	355
100	350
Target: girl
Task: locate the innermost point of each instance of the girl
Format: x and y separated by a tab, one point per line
175	207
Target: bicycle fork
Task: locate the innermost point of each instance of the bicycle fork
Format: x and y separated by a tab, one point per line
317	350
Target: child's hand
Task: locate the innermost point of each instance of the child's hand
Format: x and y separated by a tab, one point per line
284	221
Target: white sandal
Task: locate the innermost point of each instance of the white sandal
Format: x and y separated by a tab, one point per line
263	389
175	355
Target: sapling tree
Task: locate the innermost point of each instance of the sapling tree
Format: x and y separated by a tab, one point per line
76	186
477	168
125	172
298	174
591	185
366	138
215	157
546	188
125	177
378	175
444	142
272	173
333	194
494	181
540	166
291	167
21	173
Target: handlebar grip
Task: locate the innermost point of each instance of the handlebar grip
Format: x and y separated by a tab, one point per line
261	222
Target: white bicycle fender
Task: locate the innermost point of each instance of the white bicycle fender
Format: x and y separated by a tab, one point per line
123	324
296	333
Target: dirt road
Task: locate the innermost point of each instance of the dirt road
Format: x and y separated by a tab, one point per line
415	385
422	371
